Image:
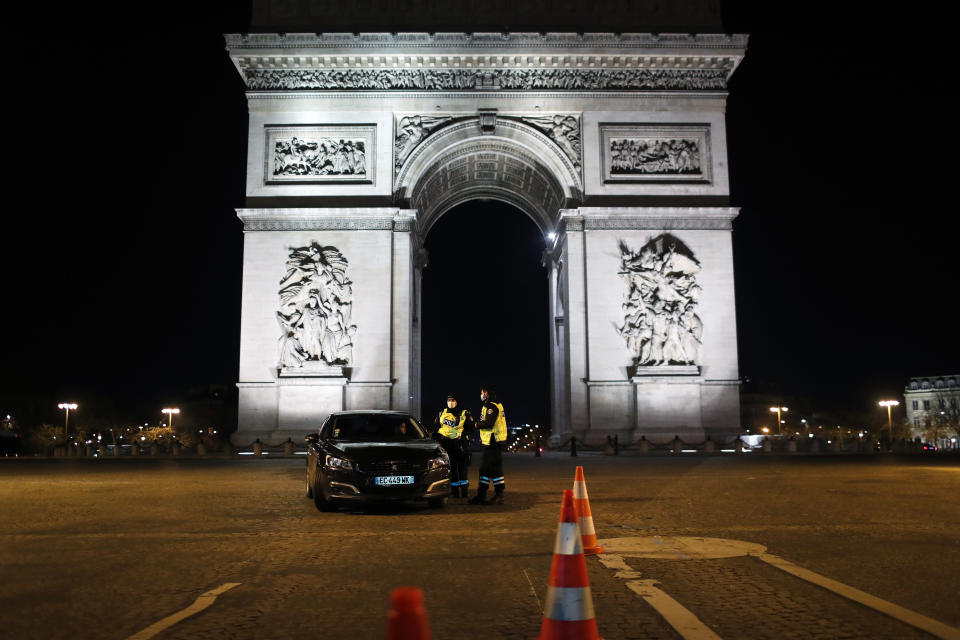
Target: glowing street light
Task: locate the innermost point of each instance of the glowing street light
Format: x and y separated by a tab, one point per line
171	413
66	422
777	411
889	404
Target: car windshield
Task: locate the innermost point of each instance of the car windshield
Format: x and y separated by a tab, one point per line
374	427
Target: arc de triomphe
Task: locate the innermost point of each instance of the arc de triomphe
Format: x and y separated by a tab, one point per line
615	145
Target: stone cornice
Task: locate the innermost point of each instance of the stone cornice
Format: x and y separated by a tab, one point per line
448	95
646	218
347	42
328	219
485	61
657	218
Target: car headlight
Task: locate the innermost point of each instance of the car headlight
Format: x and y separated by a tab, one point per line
438	463
337	463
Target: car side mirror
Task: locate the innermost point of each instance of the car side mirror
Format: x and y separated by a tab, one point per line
311	438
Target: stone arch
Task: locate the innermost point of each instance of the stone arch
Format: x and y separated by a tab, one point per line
515	163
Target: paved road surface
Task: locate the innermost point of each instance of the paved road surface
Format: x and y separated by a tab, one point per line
103	549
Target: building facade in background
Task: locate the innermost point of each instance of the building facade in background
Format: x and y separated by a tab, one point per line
933	408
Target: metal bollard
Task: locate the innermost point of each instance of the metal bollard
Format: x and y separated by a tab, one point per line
608	447
709	446
616	445
257	447
134	449
738	445
815	445
155	448
288	447
767	445
644	445
792	445
176	448
201	449
573	446
677	445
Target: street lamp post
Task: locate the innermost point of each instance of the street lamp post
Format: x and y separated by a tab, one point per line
66	406
889	404
777	411
171	413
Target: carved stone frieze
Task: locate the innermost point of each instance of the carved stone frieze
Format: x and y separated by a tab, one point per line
316	304
327	153
655	153
661	325
536	79
319	157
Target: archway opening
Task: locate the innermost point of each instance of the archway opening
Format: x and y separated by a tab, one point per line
484	312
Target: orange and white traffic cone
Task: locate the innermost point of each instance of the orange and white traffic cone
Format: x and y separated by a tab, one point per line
568	612
407	619
582	503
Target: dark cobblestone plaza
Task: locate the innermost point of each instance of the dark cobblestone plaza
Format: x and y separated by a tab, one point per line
103	549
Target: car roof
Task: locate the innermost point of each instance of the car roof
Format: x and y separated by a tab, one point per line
354	412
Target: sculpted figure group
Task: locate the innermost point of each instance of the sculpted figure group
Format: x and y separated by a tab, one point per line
470	79
642	156
661	325
325	156
316	303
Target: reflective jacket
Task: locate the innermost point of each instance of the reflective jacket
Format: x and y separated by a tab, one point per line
493	422
451	426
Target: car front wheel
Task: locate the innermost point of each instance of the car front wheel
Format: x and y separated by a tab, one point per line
319	501
309	484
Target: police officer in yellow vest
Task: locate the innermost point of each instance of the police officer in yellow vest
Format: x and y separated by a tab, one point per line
493	436
450	430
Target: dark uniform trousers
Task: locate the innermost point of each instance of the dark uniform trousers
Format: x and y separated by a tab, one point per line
491	468
456	451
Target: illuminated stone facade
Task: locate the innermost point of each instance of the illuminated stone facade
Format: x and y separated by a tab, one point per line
358	143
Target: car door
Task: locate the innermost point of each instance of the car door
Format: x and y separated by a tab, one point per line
313	452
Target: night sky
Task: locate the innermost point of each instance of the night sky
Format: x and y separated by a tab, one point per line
123	254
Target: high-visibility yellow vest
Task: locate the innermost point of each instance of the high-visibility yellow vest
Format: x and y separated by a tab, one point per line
450	425
499	430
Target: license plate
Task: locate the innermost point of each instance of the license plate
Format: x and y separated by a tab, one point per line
390	480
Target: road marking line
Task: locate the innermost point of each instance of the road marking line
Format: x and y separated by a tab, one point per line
912	618
677	616
533	591
201	603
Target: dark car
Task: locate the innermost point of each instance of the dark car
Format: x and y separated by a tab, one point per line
374	456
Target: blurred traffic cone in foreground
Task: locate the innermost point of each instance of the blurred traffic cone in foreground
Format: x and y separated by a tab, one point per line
407	619
582	504
568	612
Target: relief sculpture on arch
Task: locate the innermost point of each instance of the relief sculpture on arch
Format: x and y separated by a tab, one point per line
316	303
660	324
